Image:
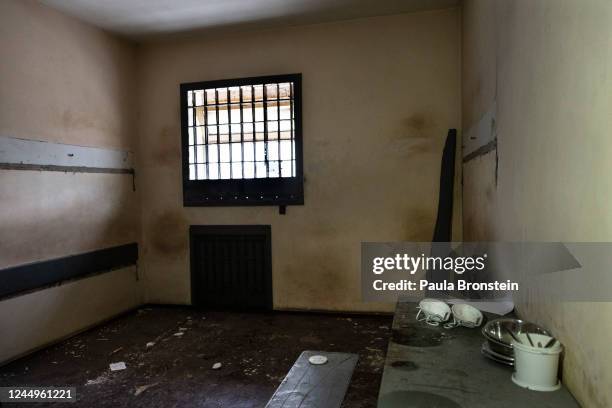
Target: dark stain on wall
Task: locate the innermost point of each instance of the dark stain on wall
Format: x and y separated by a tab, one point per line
170	233
167	150
419	122
329	274
415	135
322	281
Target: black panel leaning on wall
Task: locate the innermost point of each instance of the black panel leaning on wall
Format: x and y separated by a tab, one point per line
22	279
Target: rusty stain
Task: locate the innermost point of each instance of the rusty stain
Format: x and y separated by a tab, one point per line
170	233
419	122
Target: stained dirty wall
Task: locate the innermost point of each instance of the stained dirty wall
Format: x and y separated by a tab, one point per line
63	81
546	66
379	95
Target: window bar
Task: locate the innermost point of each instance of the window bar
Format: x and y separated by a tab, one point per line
241	134
195	131
265	108
253	135
218	134
292	138
206	134
229	129
278	128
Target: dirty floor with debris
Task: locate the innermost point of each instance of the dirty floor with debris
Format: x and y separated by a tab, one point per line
255	350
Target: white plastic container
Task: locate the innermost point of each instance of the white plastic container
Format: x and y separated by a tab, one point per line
535	367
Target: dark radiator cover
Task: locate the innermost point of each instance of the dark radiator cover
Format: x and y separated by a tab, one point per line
231	266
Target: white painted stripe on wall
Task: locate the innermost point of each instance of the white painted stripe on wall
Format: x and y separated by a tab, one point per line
34	152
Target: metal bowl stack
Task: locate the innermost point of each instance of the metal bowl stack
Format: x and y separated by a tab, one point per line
498	334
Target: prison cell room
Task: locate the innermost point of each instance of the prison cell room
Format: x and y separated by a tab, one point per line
304	203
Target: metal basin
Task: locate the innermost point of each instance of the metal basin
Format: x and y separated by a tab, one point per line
497	333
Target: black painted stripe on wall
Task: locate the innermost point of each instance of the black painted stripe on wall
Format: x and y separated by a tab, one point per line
38	275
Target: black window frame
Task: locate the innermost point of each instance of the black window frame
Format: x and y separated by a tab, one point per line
279	191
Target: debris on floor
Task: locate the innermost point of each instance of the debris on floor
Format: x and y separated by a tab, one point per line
116	350
142	388
99	380
255	350
217	366
150	344
117	366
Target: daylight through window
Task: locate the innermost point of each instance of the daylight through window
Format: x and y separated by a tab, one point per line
241	132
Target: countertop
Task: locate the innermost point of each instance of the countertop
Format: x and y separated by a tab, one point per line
428	366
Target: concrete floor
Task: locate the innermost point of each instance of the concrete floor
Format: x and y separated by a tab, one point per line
256	350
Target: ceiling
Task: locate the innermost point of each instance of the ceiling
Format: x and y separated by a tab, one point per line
138	19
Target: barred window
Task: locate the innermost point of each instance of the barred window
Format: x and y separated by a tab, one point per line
242	141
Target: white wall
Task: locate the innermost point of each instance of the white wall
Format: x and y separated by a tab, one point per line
546	65
66	82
